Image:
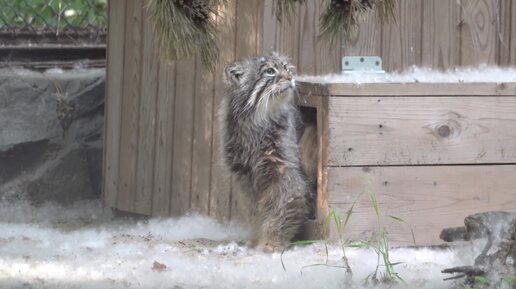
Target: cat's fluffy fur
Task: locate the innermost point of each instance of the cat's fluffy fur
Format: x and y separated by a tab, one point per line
260	133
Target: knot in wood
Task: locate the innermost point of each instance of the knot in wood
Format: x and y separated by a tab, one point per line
443	131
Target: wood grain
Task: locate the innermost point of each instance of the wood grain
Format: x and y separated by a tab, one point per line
328	55
440	34
504	26
220	193
113	110
307	38
287	38
249	14
164	139
147	121
367	41
183	134
427	198
478	34
130	107
202	140
416	89
401	39
512	60
269	27
421	130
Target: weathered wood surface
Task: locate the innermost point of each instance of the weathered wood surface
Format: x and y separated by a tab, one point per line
440	34
202	138
428	198
479	40
147	121
421	131
130	107
401	39
114	90
183	138
416	89
164	140
220	189
248	23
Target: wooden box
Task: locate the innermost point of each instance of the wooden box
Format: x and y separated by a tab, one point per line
432	153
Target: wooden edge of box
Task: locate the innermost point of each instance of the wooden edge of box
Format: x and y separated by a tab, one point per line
412	89
315	229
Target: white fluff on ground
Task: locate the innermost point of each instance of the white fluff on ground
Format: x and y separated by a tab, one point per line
84	246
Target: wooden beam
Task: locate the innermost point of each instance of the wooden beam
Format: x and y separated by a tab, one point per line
130	107
417	89
114	94
164	139
147	120
183	137
202	139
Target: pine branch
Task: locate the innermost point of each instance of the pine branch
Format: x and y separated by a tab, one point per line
186	28
285	9
343	16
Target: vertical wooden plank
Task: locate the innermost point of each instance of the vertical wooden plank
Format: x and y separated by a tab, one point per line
307	38
479	38
183	130
220	188
269	27
440	36
130	107
401	39
287	38
328	56
202	139
164	139
512	59
114	90
504	26
249	14
147	121
367	40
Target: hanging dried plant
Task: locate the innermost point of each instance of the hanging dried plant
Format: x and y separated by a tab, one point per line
186	28
342	16
338	16
286	9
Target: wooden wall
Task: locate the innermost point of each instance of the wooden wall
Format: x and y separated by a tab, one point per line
161	144
440	34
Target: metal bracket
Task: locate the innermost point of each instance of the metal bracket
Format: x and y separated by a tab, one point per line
353	64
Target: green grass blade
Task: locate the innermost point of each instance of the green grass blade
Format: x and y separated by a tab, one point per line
398	219
374	202
301	242
350	210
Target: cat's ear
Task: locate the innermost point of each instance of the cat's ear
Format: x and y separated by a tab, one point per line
233	73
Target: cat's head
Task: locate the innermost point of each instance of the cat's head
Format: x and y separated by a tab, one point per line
262	83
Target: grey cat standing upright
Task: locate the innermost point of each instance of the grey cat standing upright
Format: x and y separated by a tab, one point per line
260	122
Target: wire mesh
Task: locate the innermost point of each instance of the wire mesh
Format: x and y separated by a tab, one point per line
53	18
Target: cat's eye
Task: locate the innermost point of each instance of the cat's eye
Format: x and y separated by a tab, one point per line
270	71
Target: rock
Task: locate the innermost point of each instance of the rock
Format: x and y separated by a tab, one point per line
66	178
51	136
28	111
